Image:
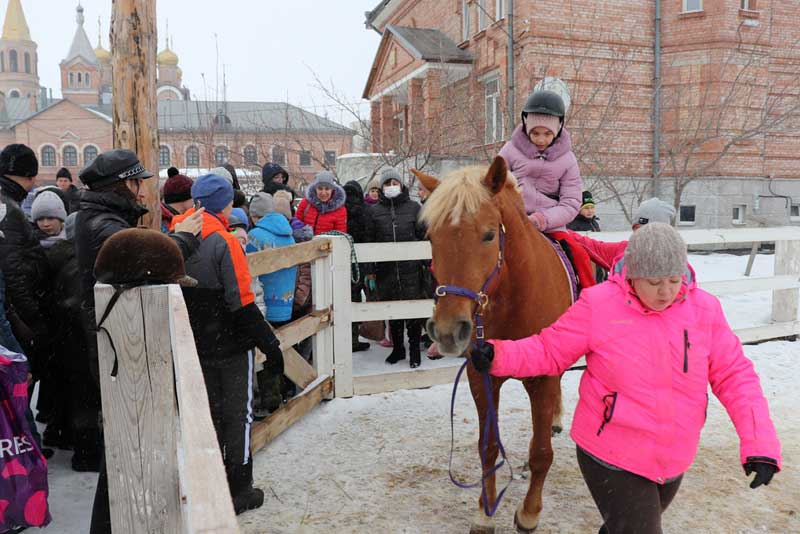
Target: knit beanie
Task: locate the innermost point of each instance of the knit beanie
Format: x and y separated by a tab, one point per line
283	203
177	188
18	160
587	200
223	172
260	205
375	183
654	210
172	171
48	205
241	215
63	172
655	250
212	192
551	122
389	174
324	178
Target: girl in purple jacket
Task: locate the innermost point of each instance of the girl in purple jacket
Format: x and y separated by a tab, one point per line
653	342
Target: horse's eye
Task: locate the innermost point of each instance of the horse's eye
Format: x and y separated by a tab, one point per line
488	236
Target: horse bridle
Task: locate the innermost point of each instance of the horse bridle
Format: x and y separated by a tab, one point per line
481	299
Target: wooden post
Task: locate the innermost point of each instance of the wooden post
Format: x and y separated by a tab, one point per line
787	261
140	419
133	60
751	259
322	295
342	323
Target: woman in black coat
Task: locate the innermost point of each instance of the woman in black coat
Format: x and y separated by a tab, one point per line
394	219
357	227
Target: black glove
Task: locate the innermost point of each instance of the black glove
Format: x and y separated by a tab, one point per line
763	467
482	357
274	363
252	324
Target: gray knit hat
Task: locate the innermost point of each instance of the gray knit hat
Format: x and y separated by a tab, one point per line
656	250
222	172
389	174
375	183
654	210
48	205
260	205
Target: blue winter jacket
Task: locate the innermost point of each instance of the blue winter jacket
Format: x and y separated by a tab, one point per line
273	231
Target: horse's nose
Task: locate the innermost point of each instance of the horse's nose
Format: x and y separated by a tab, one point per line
463	330
430	327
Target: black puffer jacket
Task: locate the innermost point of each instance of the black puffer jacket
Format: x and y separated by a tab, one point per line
395	220
73	199
582	224
357	214
68	339
26	272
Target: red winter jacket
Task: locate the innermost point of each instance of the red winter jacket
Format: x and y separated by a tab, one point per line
323	216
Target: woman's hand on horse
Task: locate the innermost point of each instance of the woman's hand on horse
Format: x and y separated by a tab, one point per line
482	357
763	467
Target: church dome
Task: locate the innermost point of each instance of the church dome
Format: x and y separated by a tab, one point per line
102	54
167	57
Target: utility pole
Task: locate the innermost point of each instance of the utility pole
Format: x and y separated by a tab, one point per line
133	60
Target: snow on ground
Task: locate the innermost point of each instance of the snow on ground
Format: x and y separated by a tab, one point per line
379	463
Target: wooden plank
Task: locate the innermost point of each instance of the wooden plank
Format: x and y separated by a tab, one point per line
749	285
751	258
395	309
274	425
303	328
787	262
726	236
379	252
140	416
206	499
269	261
295	367
342	326
419	378
322	296
767	332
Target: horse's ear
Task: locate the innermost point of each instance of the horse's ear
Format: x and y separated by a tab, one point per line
496	177
428	181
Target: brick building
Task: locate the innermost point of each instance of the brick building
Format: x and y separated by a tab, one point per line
193	135
715	128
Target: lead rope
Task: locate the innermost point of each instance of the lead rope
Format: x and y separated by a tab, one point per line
355	272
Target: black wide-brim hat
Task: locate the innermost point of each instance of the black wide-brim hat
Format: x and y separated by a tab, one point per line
113	166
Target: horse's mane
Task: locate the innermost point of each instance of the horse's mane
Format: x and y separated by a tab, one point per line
459	193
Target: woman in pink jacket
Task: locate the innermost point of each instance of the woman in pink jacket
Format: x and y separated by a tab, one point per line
653	343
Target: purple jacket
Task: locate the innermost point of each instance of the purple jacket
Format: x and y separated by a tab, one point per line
544	175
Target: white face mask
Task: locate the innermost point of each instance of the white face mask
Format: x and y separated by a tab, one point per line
392	191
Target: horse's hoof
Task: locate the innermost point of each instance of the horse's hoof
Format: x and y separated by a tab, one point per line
520	528
481	529
557	429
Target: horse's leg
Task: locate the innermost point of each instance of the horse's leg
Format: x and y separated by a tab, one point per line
558	427
544	393
481	523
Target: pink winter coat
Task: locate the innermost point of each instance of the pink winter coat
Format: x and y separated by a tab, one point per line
550	180
643	396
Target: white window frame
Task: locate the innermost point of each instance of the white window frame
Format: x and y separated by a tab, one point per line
687	9
492	112
225	158
682	222
499	9
483	17
747	5
739	214
794	217
465	22
195	151
162	149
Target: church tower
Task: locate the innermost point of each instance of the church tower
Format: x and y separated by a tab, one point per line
80	70
19	72
104	60
170	76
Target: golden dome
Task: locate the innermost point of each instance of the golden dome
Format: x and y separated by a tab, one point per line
167	57
102	54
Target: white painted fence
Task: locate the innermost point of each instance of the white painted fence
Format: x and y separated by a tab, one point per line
784	285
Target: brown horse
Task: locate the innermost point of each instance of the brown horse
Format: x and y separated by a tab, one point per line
465	214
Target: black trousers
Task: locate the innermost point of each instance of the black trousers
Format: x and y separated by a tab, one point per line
629	504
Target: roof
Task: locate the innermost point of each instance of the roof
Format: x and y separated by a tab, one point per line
430	44
81	47
15	27
242	116
372	15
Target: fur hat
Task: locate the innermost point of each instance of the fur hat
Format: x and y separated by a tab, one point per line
389	174
48	205
177	188
212	192
137	256
535	120
655	250
18	160
261	204
283	203
654	210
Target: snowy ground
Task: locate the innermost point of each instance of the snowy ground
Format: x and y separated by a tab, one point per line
379	463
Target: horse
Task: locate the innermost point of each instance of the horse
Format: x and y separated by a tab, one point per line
465	216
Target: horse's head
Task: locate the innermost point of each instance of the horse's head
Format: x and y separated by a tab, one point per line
464	216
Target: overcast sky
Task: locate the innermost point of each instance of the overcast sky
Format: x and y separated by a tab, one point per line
269	47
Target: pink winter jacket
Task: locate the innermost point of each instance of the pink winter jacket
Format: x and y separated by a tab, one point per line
550	180
643	396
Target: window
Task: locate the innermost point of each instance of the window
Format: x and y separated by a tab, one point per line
221	155
794	212
748	5
738	213
687	215
464	20
192	156
80	78
89	154
72	79
305	158
13	94
278	155
493	115
250	155
330	158
27	63
86	80
499	9
692	5
163	156
12	60
483	19
70	156
48	156
400	127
